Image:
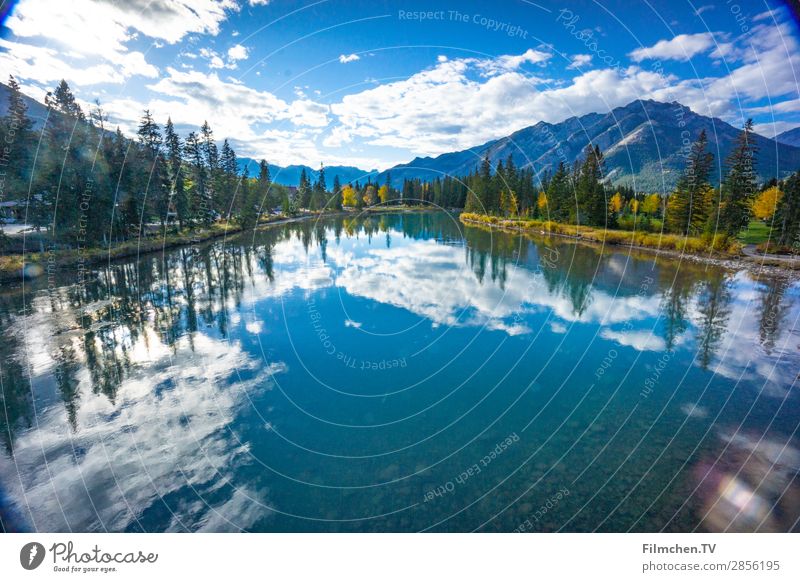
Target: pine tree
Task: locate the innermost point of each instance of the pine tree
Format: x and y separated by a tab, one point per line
689	206
64	101
17	151
337	193
486	199
149	134
592	204
174	153
228	182
319	191
304	190
739	187
247	215
201	191
788	214
267	196
559	196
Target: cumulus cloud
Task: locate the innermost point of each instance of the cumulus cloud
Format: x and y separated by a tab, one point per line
349	58
681	48
95	26
237	112
512	62
86	39
579	61
418	113
46	66
237	52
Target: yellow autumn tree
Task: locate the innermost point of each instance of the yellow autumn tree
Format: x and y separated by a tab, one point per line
348	196
383	194
513	204
766	203
651	204
616	203
541	202
634	206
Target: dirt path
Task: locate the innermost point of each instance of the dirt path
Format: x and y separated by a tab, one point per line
790	261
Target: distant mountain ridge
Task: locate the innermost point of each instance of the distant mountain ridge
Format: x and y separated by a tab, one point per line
642	143
790	137
290	175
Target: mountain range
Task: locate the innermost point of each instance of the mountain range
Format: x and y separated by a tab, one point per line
644	144
790	137
290	175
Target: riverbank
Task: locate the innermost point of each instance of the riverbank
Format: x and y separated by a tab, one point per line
15	267
681	247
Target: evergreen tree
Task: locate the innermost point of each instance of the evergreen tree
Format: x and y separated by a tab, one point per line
201	191
228	182
149	134
178	194
739	187
593	208
63	101
319	192
247	215
304	190
266	195
788	214
16	155
153	180
689	206
484	192
559	196
337	193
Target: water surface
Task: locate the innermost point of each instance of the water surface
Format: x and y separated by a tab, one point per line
399	372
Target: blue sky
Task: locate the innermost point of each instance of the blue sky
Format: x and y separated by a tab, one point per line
373	84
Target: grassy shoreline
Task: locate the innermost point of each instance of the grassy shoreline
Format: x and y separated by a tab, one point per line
696	248
650	240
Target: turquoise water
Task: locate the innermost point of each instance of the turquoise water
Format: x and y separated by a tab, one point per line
399	372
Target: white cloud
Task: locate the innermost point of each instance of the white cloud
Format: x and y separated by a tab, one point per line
95	26
349	58
46	66
235	111
214	59
418	113
579	61
309	113
768	15
640	340
514	62
86	39
772	128
237	52
681	48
